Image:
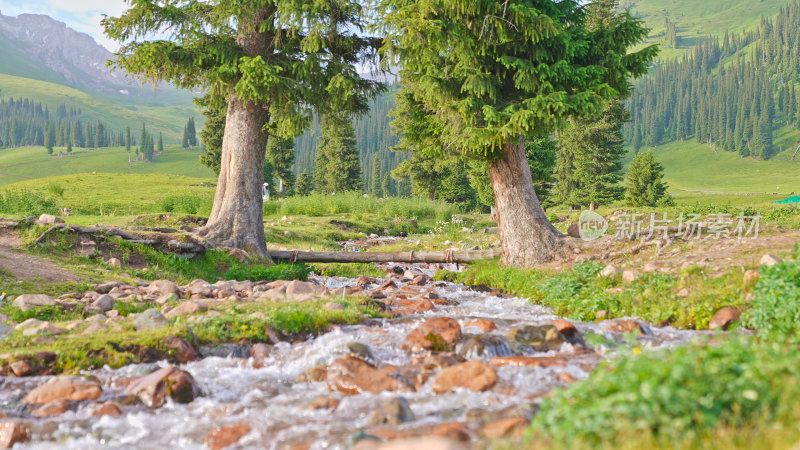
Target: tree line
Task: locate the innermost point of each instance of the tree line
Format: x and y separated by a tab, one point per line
732	94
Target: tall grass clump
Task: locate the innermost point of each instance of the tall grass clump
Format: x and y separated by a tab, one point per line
353	202
184	204
26	203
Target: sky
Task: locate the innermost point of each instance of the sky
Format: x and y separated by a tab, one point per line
81	15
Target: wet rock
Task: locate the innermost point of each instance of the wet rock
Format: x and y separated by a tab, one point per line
724	318
106	409
259	352
153	389
480	288
427	443
151	319
750	277
163	287
186	309
13	432
200	288
484	325
53	408
313	375
365	280
419	280
104	303
627	326
542	338
529	361
473	375
28	301
510	427
324	403
393	412
63	388
482	346
361	350
21	368
182	350
241	351
565	327
454	430
405	306
226	436
769	260
352	375
438	334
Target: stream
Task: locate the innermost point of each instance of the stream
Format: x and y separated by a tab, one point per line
267	396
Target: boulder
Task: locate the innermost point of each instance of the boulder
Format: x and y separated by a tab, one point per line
13	432
724	318
150	320
187	308
352	375
574	230
484	345
627	326
63	388
28	301
542	338
53	408
438	334
161	300
473	375
225	436
769	260
106	409
49	219
182	349
153	389
564	327
162	287
392	412
199	288
484	325
104	303
303	290
629	276
510	427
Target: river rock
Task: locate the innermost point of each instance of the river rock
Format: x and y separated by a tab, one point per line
183	350
63	388
542	338
352	375
324	403
200	288
361	350
510	427
627	326
150	320
104	303
769	260
53	408
437	334
724	318
484	325
313	375
259	352
153	389
106	409
21	368
427	443
565	327
162	287
28	301
473	375
13	432
393	412
484	345
226	436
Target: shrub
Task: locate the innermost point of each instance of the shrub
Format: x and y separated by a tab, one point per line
776	307
674	395
56	190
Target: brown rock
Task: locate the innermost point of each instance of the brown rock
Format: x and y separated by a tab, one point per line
750	277
187	308
419	280
106	409
565	327
152	389
484	325
724	318
260	351
412	306
222	437
454	430
182	349
437	334
513	427
163	287
426	443
21	368
628	276
313	375
626	326
574	230
473	375
352	375
53	408
324	403
529	361
13	432
63	388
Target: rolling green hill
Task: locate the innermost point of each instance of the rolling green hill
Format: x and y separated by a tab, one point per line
27	163
699	19
157	115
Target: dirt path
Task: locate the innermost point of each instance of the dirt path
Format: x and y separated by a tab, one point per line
28	267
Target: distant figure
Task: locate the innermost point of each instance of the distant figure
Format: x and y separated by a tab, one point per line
265	191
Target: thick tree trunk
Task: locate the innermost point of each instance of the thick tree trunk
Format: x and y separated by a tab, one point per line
236	219
527	237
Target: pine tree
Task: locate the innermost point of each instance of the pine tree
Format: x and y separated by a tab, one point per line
280	154
338	168
644	182
160	148
376	180
386	186
128	140
49	137
304	184
191	133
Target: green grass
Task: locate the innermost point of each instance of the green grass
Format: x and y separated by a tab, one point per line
358	205
116	112
580	293
697	20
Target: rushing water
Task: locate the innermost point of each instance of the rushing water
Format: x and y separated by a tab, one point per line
276	407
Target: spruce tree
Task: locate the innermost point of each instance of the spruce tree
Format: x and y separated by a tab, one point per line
160	148
304	185
49	137
375	182
644	182
280	154
386	186
212	134
338	168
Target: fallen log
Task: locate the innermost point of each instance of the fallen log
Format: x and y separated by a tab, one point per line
448	256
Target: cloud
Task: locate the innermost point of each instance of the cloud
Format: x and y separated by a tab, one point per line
81	15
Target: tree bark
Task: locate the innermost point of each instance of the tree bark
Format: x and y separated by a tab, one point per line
236	219
526	236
